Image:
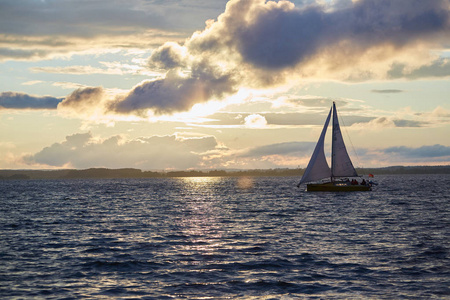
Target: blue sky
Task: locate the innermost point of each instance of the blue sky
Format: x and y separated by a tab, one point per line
163	85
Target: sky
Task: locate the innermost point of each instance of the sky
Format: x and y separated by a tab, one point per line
216	84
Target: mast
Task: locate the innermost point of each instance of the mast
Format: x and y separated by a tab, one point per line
333	139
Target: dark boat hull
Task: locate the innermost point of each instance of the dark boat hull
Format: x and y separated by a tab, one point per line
336	187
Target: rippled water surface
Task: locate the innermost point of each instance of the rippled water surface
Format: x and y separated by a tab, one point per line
224	238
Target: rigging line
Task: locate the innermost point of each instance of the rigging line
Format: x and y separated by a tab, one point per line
351	143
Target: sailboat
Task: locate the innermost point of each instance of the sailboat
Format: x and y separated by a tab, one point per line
336	178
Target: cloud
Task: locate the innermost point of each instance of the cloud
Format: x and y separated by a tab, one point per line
390	91
391	122
44	29
315	101
437	117
40	47
174	93
436	69
403	155
440	112
32	82
291	148
170	55
278	155
156	152
91	104
68	85
10	51
84	101
75	70
199	144
112	68
433	151
255	121
410	123
13	100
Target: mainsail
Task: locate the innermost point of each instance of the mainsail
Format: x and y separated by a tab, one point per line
341	165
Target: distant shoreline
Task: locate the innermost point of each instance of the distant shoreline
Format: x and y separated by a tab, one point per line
105	173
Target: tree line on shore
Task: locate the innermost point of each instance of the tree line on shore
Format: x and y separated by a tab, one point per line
137	173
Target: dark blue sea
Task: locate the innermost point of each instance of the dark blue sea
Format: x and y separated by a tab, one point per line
224	238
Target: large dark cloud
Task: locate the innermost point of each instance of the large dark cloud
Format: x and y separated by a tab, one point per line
278	35
13	100
281	37
258	44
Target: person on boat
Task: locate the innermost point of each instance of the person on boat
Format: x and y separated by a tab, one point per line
363	182
354	182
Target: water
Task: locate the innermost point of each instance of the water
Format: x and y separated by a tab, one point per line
224	238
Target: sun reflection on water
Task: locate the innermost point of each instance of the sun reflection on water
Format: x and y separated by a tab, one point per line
201	215
200	181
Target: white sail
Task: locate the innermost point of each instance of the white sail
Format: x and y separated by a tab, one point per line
341	165
318	167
